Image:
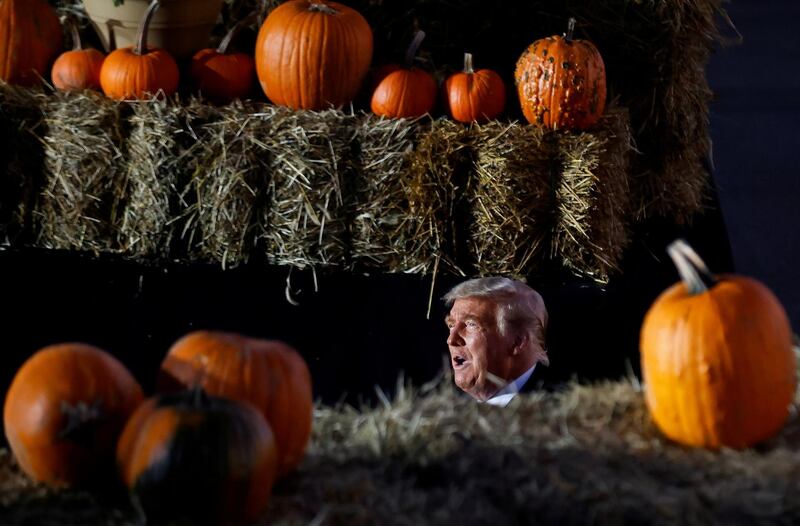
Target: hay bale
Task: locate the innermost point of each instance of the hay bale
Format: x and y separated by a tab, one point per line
21	158
161	161
79	206
512	198
433	456
660	51
384	232
306	222
657	54
228	184
593	197
439	168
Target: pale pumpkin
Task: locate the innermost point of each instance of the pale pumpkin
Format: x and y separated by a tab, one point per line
313	54
561	82
30	38
717	359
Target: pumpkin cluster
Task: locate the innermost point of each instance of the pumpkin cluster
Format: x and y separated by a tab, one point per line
231	414
310	54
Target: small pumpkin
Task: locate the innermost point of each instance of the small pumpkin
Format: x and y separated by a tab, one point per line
30	37
474	96
222	76
717	359
192	456
312	54
78	69
267	373
139	71
405	92
561	82
64	412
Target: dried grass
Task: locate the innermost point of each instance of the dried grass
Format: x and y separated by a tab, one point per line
80	203
593	197
384	232
656	51
20	158
162	157
512	198
439	168
228	185
586	453
306	222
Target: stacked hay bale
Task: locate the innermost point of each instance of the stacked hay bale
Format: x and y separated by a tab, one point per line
79	206
306	221
162	159
228	185
512	198
593	198
20	158
330	189
383	235
406	194
538	197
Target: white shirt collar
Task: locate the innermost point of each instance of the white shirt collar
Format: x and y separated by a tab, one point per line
502	397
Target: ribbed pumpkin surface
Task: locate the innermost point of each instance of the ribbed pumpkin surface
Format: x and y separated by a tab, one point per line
312	55
718	367
30	37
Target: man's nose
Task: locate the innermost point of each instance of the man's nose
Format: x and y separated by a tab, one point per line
454	338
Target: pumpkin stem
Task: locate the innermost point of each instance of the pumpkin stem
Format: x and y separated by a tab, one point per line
223	46
692	269
322	8
411	52
76	35
468	64
141	34
570	29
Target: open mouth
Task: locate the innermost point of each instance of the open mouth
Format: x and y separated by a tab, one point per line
459	361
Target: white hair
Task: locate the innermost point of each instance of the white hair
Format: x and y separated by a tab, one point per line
520	308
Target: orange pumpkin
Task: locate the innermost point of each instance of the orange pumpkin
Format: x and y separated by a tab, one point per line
191	456
269	374
561	82
78	69
474	96
138	71
223	76
405	92
64	412
30	37
313	54
717	358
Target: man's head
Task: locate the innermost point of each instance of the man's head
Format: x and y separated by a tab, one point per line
497	327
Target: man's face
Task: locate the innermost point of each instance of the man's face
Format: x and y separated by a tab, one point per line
478	353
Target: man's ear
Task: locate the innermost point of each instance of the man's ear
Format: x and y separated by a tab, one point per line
520	343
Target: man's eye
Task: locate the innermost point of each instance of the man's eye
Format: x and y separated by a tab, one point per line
472	324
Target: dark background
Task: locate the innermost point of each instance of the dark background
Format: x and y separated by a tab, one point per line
360	331
757	144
